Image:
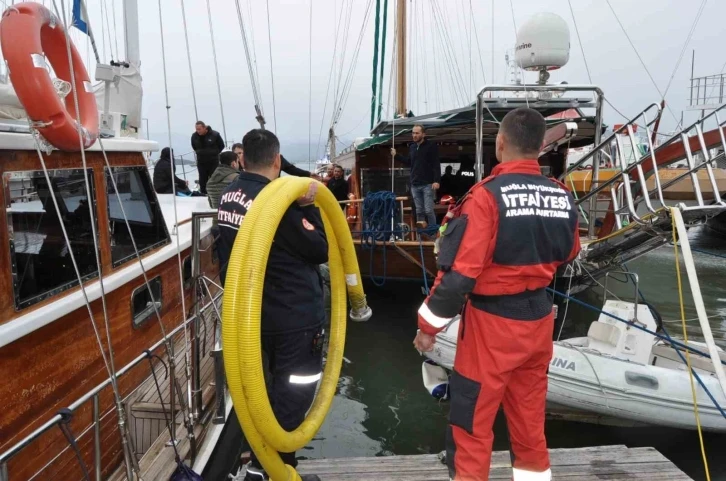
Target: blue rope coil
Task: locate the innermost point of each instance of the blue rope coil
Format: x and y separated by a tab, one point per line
379	213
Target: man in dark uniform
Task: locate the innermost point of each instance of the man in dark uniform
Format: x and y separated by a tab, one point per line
207	144
287	167
497	255
293	310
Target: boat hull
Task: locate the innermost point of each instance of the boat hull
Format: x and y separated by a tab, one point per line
587	381
401	261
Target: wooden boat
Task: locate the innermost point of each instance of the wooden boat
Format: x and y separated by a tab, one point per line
153	251
454	133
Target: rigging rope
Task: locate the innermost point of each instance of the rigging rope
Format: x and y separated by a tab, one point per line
272	74
331	74
688	356
348	83
478	47
115	32
219	88
130	460
579	41
449	54
171	354
189	61
640	58
254	80
685	45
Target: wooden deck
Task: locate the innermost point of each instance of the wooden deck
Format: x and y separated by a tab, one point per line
613	463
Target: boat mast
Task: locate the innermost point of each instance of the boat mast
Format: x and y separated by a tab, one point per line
401	59
331	143
131	30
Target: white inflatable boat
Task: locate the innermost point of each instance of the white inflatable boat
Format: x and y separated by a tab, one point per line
618	371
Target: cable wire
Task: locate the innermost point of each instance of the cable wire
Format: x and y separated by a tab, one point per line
216	74
272	73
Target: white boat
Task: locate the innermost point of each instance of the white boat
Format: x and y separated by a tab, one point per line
620	371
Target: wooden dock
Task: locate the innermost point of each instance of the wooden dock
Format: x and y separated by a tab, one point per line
613	463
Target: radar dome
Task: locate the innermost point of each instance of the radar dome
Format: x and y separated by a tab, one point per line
543	43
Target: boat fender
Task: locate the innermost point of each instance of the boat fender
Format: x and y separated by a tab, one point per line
451	235
435	379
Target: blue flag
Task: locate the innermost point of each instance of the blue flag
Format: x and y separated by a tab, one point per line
80	20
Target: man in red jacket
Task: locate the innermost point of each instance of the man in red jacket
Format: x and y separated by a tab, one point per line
496	257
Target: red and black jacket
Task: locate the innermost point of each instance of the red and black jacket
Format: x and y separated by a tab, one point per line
513	230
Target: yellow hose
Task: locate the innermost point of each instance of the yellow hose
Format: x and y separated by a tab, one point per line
241	320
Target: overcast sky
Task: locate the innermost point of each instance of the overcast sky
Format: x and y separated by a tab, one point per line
658	29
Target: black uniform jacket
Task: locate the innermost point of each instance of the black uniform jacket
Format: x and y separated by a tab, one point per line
292	296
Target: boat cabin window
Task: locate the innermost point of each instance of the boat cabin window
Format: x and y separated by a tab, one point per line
143	300
41	263
142	210
187	271
376	180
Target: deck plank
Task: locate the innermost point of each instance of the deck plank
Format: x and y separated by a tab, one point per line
613	463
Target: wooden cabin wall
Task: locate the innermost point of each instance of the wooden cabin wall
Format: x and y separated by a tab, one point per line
61	361
55	365
12	161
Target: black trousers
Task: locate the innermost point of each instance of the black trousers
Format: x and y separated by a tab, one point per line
293	367
205	169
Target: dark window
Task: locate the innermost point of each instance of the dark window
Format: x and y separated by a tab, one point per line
187	271
142	210
41	263
142	301
376	180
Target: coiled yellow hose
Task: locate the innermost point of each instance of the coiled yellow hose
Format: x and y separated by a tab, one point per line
241	320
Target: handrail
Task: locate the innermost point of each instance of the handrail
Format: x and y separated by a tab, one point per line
537	88
20	445
590	154
662	146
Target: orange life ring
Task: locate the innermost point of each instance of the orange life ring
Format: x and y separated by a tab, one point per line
27	31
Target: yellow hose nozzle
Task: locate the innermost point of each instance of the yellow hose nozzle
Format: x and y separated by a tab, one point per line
241	314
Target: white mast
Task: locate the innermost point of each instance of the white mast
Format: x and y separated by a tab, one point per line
131	32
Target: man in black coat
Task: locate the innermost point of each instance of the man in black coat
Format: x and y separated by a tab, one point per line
338	185
163	175
293	308
207	144
423	158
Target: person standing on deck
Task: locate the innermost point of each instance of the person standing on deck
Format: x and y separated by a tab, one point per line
225	173
293	308
423	157
498	253
207	144
338	185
